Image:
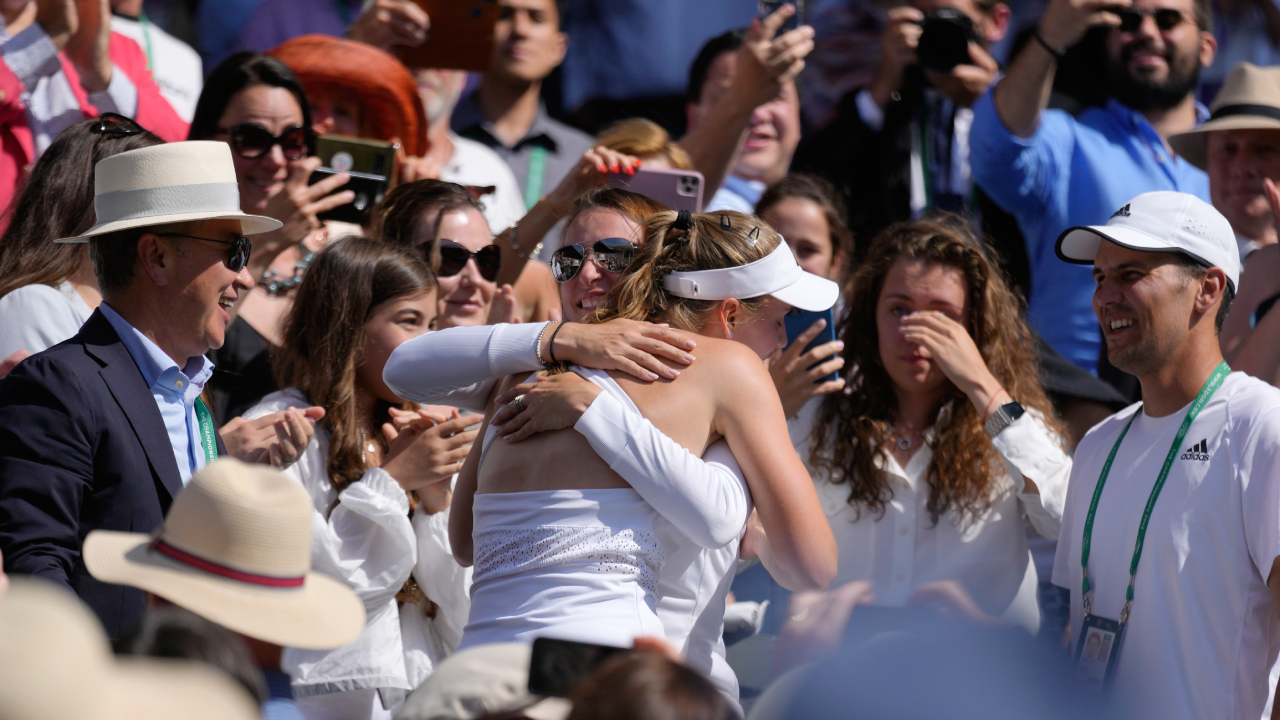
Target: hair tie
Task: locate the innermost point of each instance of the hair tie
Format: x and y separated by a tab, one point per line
684	220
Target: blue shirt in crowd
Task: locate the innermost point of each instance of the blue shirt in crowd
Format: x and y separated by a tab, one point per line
175	390
1072	171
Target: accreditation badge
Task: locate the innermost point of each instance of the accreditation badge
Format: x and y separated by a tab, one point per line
1097	651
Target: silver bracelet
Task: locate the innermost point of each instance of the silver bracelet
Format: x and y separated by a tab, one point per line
519	250
538	347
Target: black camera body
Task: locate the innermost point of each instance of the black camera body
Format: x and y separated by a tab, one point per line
944	40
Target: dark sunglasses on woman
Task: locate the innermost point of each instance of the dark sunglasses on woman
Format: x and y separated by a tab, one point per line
611	254
253	141
110	123
454	257
241	247
1131	20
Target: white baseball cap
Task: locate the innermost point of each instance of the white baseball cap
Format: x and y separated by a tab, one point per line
1163	221
777	274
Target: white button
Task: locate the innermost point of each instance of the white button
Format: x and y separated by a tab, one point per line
901	577
1013	452
902	531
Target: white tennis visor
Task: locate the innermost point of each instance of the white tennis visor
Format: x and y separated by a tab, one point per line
777	274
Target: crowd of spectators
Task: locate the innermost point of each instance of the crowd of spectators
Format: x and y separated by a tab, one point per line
274	291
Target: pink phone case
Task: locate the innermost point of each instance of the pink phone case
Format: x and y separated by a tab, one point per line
677	189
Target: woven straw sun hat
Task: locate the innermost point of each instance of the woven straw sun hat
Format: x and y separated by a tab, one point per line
236	550
1248	100
172	183
56	664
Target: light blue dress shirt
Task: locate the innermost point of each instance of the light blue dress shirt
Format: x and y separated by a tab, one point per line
1072	171
175	390
736	194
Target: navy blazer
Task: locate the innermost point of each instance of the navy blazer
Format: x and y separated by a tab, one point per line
82	447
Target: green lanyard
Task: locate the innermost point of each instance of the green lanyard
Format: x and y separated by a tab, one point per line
146	37
1211	385
206	431
534	177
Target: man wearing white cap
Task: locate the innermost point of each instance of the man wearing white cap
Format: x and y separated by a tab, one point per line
1171	534
103	430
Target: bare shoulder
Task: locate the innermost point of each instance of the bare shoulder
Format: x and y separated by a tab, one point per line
731	367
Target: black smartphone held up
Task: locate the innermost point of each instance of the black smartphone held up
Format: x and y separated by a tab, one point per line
557	665
769	7
677	189
944	40
797	321
370	164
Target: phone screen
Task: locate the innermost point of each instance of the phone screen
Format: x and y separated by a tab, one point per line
557	665
797	321
769	7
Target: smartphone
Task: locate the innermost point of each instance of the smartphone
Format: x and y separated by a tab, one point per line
677	189
371	165
557	665
769	7
460	38
797	321
369	190
352	154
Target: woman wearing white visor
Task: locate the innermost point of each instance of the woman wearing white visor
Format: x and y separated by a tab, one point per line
740	262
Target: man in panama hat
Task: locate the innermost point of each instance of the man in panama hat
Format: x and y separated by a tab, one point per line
1239	146
103	430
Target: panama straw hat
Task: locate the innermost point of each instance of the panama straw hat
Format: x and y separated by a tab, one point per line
1248	100
171	183
56	664
236	550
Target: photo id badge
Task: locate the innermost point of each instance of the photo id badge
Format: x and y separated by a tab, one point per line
1097	651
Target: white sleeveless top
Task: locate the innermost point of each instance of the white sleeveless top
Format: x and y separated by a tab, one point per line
570	564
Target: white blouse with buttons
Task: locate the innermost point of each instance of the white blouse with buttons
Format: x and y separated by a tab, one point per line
903	549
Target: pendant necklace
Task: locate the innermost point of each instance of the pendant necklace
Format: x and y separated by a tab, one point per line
366	447
904	443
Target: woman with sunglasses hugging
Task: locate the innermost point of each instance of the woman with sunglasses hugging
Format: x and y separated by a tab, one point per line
380	495
256	105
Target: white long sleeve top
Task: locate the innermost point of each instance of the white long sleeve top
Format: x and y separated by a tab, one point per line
369	542
988	555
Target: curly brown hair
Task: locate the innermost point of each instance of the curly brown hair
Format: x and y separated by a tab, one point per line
852	429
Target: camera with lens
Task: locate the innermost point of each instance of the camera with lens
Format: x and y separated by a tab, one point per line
944	40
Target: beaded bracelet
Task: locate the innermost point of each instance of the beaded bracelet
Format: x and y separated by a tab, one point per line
538	346
519	250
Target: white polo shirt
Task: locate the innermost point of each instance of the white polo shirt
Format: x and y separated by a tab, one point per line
1202	632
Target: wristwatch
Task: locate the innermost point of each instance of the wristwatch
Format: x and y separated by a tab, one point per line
1002	418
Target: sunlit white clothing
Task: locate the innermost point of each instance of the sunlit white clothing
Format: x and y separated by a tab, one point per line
368	540
37	317
904	549
1203	634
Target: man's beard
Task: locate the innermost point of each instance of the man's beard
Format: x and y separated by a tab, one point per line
1142	93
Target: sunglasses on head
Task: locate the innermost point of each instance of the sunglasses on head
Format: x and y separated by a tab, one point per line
611	254
454	257
110	123
253	141
1131	20
241	247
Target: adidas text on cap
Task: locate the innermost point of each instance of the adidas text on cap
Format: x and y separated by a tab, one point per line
1162	221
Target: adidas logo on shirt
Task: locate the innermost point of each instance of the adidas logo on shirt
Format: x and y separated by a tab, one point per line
1199	451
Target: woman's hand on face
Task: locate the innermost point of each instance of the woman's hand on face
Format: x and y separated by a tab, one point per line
628	346
299	203
424	452
278	439
949	345
552	403
796	374
592	171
